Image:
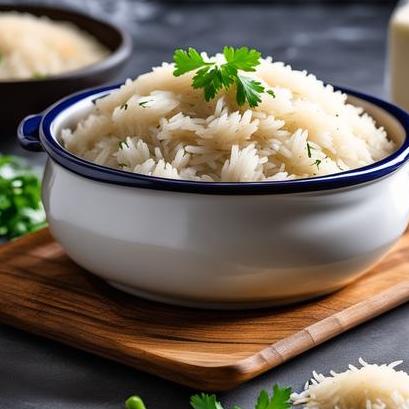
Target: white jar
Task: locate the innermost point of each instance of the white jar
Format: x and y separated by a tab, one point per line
399	55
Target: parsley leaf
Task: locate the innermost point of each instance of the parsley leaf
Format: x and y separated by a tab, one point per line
279	400
263	400
210	79
213	77
205	401
229	74
248	90
186	61
242	58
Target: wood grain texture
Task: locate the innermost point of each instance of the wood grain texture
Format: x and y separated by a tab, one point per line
44	292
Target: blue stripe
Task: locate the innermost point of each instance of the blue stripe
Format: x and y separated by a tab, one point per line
335	181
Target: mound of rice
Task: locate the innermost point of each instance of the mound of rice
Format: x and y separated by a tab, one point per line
34	47
159	125
369	387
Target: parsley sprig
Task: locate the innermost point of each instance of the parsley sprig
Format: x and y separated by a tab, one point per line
213	77
279	399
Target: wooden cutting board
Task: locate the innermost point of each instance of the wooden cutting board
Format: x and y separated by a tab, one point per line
44	292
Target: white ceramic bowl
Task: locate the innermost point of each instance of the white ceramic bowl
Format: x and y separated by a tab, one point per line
221	245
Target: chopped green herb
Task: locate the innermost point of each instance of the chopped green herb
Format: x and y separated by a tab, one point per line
122	165
213	77
143	103
94	101
124	107
39	76
271	92
123	144
21	210
309	149
317	163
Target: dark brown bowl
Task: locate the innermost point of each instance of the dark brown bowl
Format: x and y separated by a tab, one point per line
22	97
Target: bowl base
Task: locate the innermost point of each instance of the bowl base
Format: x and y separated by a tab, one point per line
216	305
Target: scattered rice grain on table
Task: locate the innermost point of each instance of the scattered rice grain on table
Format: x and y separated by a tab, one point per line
369	387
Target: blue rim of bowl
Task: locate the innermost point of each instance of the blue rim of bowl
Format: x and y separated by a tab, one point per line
119	177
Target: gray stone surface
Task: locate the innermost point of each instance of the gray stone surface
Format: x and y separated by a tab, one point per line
342	44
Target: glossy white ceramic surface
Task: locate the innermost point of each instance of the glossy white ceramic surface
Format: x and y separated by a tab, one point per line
225	251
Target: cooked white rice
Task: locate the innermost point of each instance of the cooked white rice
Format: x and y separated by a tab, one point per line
369	387
36	47
159	125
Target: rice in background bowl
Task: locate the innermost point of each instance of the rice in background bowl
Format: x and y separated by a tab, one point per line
159	125
34	47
